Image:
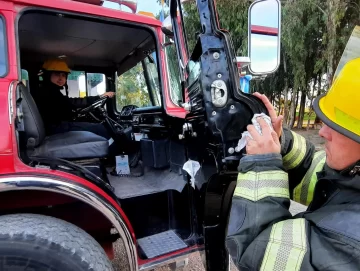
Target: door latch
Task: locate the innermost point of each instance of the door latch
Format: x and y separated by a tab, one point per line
219	93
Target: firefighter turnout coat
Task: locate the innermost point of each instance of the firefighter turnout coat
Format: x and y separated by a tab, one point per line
262	233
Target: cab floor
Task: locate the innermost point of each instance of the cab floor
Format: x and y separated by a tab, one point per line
153	181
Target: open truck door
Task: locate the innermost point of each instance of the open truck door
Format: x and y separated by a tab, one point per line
212	95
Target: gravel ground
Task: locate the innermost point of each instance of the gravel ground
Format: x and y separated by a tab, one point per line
195	262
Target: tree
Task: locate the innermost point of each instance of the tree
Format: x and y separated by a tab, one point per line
131	88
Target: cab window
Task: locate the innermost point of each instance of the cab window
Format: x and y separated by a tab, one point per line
3	57
173	73
173	69
95	84
139	86
82	84
150	64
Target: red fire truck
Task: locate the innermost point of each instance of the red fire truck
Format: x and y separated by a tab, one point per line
166	187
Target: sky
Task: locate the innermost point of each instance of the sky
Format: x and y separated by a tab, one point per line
264	49
265	13
143	5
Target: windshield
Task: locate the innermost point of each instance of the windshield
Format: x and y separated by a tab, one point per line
139	86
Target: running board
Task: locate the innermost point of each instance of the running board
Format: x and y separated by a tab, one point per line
160	244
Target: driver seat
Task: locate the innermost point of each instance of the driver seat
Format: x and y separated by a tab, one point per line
77	145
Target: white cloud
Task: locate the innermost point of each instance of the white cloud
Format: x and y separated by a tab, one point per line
259	42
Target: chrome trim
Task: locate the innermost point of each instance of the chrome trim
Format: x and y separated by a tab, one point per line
14	183
11	102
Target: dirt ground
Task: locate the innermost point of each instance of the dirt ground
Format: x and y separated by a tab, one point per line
195	262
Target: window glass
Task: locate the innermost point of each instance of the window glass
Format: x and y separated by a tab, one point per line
81	84
25	77
96	84
151	67
3	57
131	88
173	73
194	71
76	85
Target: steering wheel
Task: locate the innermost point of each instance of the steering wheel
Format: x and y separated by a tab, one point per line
99	103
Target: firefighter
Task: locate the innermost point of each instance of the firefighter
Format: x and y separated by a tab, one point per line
280	165
56	109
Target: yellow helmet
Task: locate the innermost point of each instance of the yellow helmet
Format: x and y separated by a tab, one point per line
57	65
340	107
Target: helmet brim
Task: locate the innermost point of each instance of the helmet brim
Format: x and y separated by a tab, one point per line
332	123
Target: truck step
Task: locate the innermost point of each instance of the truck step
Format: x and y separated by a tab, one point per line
160	244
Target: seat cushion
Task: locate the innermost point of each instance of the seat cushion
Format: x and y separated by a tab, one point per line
73	145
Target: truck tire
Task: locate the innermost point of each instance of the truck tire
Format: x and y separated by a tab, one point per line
38	242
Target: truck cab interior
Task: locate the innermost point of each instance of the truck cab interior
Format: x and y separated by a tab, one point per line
121	57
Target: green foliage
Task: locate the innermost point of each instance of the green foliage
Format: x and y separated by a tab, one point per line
233	17
191	23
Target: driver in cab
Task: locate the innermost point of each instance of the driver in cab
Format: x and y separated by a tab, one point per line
57	109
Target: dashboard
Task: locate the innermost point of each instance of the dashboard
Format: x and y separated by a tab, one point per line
148	120
148	117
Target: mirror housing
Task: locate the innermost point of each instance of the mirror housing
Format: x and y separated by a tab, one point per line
166	27
264	36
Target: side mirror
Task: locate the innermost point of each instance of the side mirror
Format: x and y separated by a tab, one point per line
264	36
167	27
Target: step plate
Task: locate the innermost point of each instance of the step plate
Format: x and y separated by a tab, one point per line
160	244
